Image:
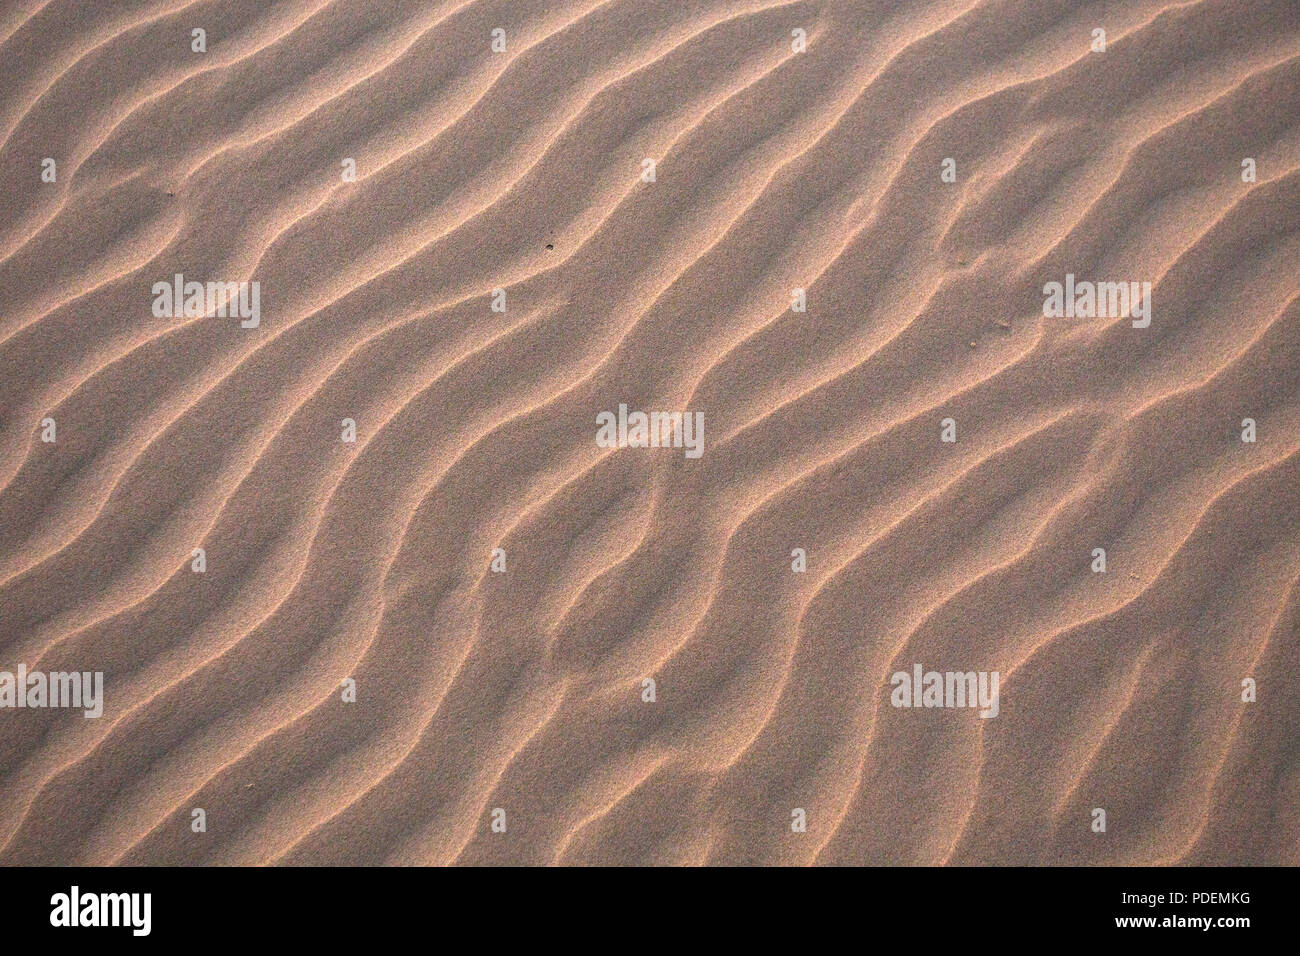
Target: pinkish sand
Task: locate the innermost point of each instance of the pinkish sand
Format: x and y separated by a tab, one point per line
434	643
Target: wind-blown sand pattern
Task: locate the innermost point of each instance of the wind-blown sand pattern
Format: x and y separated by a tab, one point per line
776	168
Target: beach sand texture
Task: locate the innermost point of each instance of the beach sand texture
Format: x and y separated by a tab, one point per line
824	227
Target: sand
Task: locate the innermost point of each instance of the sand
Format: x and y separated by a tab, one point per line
430	604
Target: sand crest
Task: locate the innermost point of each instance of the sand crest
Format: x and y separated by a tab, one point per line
565	431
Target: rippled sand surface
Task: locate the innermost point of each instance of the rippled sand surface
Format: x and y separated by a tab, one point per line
503	268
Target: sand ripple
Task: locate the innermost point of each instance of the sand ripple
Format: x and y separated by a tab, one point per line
775	169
